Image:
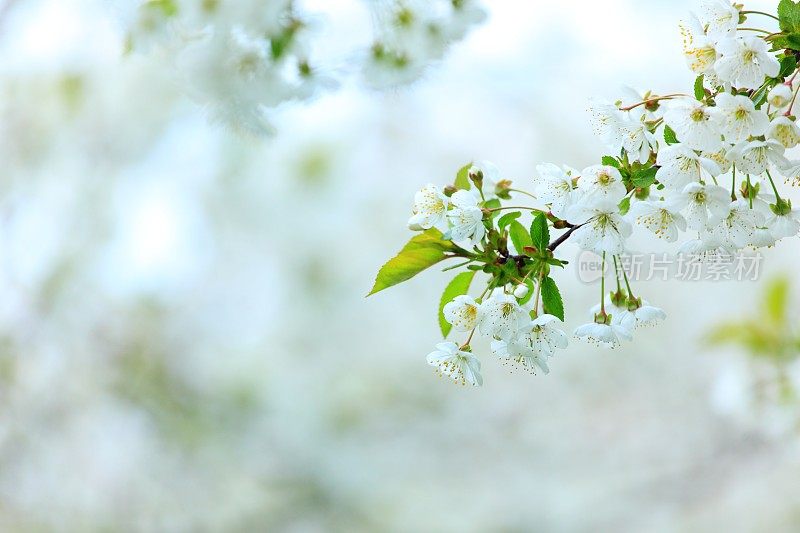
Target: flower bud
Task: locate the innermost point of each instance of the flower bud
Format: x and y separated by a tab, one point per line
521	291
780	96
476	176
560	224
502	189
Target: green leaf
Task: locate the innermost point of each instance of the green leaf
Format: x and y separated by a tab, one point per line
551	298
540	232
699	89
669	135
645	177
519	236
458	286
462	178
789	16
494	203
421	252
610	161
789	22
788	65
506	219
625	205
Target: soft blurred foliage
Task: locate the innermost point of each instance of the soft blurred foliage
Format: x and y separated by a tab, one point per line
766	388
769	332
185	343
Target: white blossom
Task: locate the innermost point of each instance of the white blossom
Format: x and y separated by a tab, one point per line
741	223
785	131
680	166
745	61
466	218
754	157
462	312
521	291
501	316
785	224
430	208
603	229
533	344
554	188
460	366
698	48
607	335
720	157
739	119
694	124
661	217
720	16
619	131
601	185
704	205
780	96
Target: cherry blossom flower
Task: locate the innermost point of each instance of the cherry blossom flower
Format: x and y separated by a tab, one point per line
462	312
780	96
785	131
604	229
698	48
601	185
745	61
466	218
720	16
430	208
533	344
739	119
607	335
704	205
694	124
460	366
754	157
681	166
660	217
554	188
501	316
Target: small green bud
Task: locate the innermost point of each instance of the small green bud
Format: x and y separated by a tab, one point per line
450	190
476	177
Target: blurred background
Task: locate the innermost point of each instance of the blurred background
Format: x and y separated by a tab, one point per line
184	339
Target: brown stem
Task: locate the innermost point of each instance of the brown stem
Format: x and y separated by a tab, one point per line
556	243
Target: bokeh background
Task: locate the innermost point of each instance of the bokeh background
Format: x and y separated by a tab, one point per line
184	339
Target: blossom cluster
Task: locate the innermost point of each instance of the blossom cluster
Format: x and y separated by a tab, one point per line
703	165
241	59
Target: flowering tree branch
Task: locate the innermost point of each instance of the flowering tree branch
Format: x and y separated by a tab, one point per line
667	155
